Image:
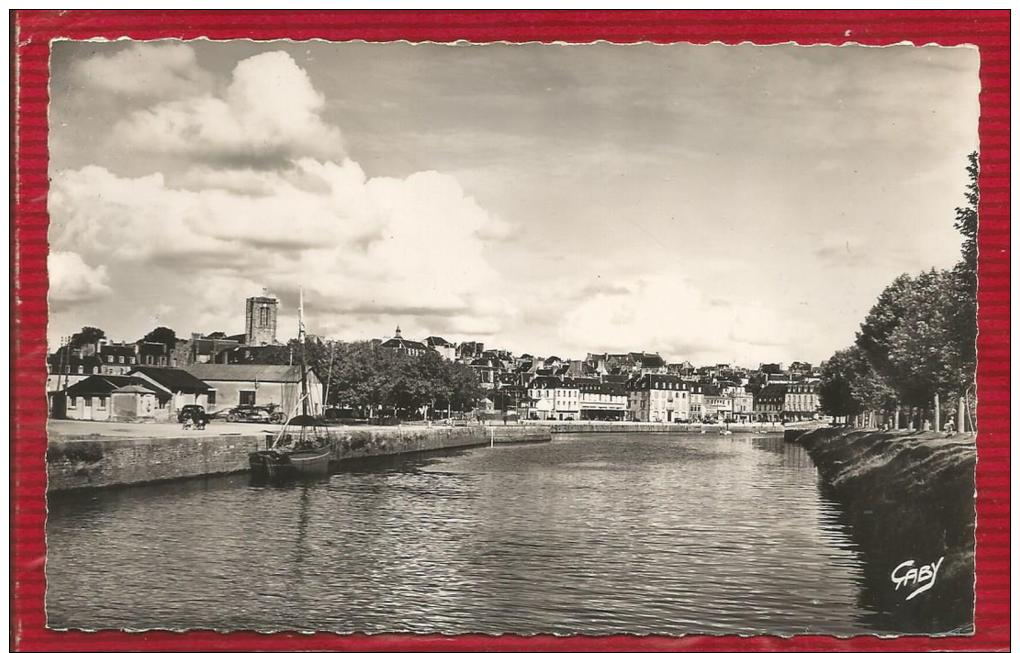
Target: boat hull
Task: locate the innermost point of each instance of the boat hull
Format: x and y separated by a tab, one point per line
274	464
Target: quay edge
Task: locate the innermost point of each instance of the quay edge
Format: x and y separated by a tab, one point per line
94	461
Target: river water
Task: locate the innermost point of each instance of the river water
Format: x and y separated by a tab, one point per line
586	534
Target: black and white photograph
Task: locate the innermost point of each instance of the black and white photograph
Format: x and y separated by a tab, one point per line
511	338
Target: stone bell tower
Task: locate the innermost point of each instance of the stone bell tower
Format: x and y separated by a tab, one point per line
260	320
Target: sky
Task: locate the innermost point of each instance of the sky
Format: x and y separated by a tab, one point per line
713	203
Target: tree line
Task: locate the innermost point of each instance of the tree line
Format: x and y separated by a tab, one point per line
373	380
914	357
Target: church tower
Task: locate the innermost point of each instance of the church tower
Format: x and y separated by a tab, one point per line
260	320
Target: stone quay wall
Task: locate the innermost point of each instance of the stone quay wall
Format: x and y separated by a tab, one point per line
98	460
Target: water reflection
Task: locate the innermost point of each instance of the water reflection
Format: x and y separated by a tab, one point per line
593	534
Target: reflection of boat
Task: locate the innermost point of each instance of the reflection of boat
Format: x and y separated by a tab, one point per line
303	446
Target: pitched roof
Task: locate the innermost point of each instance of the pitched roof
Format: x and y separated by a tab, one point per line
227	372
134	388
773	391
104	384
438	341
173	379
402	343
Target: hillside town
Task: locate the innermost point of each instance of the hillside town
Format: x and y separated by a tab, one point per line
91	377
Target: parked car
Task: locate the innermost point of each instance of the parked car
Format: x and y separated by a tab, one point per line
249	414
188	412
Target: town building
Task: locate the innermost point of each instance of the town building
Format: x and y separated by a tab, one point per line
801	401
717	407
257	385
487	370
770	402
403	345
106	397
551	397
69	365
601	401
260	315
176	388
470	350
206	348
442	346
658	398
742	404
263	355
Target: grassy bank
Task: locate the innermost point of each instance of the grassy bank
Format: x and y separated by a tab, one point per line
906	496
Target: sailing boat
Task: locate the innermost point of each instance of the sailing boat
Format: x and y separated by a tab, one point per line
303	446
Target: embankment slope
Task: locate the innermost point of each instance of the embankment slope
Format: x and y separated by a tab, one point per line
906	496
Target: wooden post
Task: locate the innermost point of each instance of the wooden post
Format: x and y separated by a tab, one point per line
896	420
938	415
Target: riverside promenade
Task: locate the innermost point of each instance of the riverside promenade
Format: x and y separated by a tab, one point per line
83	455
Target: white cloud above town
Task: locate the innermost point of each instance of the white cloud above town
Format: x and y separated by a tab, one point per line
267	115
539	205
72	281
163	70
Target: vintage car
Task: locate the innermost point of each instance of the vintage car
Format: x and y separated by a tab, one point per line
260	414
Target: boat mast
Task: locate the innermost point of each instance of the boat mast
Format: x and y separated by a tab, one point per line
304	362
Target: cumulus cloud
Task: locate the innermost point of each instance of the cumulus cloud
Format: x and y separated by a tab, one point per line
267	198
149	70
73	281
268	115
407	246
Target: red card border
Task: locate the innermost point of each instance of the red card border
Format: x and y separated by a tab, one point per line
989	30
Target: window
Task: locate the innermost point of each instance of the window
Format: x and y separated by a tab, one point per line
162	360
131	360
246	397
109	359
81	369
148	359
72	402
120	359
102	403
211	397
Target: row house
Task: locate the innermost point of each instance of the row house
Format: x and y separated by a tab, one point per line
742	404
658	398
69	365
717	407
551	397
630	363
770	402
801	401
602	401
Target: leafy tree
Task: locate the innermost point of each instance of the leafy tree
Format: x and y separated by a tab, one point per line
163	335
851	386
967	222
837	387
925	356
87	335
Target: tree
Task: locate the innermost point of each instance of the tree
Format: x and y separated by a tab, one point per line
837	387
967	222
163	335
87	335
925	355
